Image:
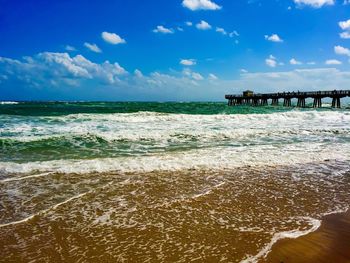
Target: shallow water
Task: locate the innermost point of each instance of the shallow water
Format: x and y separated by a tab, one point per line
329	243
152	186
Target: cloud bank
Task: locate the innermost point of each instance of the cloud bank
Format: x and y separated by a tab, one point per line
60	76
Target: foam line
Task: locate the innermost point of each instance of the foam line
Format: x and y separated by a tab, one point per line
221	158
282	235
208	191
42	212
24	177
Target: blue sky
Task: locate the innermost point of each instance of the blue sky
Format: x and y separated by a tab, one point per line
170	50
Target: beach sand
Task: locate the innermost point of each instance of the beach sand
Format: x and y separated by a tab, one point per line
163	216
330	243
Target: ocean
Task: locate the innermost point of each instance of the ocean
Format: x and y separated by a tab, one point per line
165	182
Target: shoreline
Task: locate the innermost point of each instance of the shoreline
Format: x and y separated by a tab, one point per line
328	243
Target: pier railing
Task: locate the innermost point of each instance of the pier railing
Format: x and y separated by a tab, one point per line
262	99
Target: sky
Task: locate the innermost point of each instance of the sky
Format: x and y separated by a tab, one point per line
174	50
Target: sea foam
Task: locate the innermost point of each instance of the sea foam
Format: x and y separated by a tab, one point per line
147	141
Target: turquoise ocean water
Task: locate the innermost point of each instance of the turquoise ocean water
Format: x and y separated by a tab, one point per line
56	131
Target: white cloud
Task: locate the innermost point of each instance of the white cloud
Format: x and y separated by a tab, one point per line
311	63
273	38
233	34
293	61
92	47
243	70
188	23
203	25
339	50
346	2
70	48
221	30
345	35
271	61
200	5
191	74
180	29
197	76
138	73
333	62
225	33
212	77
65	70
163	30
112	38
314	3
188	62
345	25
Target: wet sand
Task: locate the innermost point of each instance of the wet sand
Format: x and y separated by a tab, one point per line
165	216
330	243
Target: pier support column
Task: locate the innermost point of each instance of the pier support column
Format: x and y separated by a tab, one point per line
264	102
256	102
287	102
317	103
301	103
274	102
336	103
246	101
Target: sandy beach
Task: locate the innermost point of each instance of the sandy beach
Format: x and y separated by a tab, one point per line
206	216
330	243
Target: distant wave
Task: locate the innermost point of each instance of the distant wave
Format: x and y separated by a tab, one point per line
196	108
8	102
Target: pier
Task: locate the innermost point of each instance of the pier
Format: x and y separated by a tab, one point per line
250	98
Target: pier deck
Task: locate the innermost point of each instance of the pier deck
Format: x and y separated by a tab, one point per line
263	99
